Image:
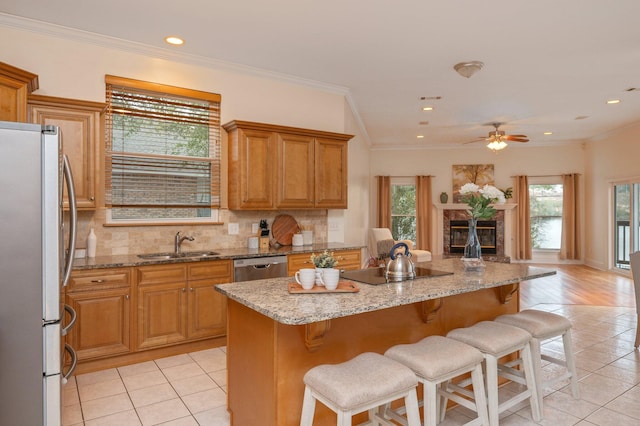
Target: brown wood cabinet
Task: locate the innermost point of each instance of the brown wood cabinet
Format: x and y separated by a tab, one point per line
15	86
178	302
102	301
277	167
347	259
80	125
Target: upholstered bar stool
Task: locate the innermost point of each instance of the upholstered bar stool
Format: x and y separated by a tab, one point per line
544	326
436	360
364	383
496	340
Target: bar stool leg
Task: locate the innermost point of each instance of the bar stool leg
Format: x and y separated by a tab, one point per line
308	408
430	404
537	368
530	379
571	363
491	375
477	380
411	402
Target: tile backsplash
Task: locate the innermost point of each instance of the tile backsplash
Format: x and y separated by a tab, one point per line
123	240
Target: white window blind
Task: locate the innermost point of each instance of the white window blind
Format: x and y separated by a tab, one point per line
162	150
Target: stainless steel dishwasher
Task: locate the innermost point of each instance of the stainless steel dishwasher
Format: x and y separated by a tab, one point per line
259	268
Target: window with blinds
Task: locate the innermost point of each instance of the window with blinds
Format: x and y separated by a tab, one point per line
162	151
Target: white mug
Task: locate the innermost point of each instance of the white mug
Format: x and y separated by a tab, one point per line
330	276
306	278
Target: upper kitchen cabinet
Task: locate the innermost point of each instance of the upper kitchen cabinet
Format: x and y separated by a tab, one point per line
15	86
276	167
80	125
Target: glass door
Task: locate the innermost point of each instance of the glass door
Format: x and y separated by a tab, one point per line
622	225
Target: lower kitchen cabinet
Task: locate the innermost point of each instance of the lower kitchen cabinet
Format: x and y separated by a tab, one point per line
347	260
178	303
102	301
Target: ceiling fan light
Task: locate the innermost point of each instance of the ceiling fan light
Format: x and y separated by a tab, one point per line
496	145
467	69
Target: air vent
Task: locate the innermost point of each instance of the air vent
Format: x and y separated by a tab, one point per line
632	89
430	98
581	117
423	123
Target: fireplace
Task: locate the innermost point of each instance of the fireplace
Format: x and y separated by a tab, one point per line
491	234
459	231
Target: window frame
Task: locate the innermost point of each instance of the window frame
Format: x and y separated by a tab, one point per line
214	158
545	180
403	181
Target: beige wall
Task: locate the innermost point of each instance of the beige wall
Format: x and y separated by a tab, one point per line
73	64
612	158
515	160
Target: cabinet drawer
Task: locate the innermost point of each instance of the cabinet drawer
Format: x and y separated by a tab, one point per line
161	274
98	279
208	270
298	261
348	259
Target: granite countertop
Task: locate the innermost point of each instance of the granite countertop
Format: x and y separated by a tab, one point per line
271	297
120	261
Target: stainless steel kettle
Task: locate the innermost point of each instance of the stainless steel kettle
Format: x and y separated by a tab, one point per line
400	267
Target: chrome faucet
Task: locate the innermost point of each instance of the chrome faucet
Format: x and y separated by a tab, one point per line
178	241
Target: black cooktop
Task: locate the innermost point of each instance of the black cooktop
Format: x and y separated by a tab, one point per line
376	275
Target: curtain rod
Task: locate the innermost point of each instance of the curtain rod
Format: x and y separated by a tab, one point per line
403	176
538	176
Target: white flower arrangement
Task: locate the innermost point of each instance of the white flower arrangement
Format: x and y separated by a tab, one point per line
480	199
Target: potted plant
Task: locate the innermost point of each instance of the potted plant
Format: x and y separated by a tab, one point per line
323	260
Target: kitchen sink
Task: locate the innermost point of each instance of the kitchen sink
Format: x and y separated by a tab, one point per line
182	255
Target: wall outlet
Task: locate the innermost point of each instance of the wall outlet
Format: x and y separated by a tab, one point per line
254	228
234	228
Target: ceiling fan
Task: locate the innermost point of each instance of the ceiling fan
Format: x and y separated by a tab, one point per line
497	138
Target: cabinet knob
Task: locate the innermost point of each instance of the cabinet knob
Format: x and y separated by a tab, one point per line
184	289
191	289
126	296
92	198
99	281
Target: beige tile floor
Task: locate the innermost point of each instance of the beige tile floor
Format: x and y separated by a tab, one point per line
190	389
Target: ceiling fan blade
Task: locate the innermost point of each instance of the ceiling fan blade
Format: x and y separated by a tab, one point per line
514	138
518	136
480	139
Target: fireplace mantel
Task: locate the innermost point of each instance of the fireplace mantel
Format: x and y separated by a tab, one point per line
508	224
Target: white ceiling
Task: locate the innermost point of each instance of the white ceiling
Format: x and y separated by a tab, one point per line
546	61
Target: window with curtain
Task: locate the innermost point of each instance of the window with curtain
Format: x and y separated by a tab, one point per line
545	207
162	152
403	209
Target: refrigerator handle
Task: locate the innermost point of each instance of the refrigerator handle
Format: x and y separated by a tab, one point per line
74	316
74	363
73	219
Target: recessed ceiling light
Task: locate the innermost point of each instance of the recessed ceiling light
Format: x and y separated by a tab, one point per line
176	41
547	133
613	101
420	136
427	108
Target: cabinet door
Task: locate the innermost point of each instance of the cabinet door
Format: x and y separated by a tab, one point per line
207	310
161	314
79	122
15	86
102	327
331	176
295	177
252	165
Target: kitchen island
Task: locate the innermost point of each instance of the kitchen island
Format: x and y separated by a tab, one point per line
275	337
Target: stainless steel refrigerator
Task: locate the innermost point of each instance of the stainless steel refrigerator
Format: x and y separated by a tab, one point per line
36	254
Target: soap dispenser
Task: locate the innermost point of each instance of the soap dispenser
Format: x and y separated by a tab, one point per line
91	244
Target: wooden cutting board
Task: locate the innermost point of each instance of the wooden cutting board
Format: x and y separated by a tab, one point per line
283	228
